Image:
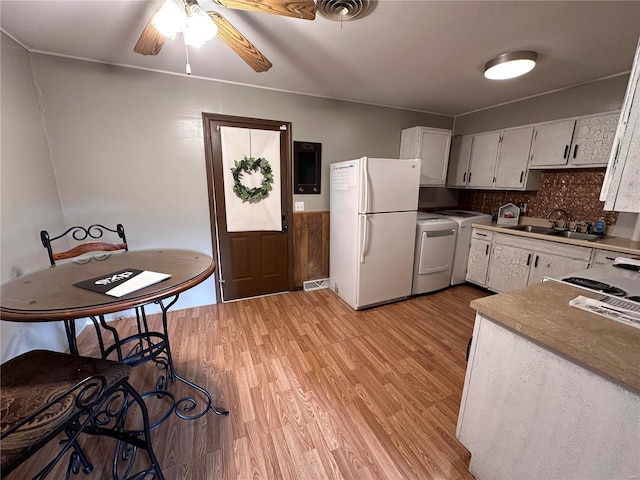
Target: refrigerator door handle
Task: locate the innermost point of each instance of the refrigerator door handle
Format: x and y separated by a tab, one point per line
365	184
363	234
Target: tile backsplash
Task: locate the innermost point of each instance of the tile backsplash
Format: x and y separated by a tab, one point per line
576	191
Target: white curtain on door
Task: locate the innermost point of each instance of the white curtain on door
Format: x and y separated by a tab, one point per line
265	214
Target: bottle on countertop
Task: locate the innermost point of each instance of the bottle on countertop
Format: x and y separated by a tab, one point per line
600	226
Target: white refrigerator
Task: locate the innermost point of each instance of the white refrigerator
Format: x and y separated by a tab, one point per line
373	203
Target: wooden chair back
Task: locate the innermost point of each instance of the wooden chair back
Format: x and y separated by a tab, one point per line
94	232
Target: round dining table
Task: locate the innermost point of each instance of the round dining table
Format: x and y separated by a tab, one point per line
50	294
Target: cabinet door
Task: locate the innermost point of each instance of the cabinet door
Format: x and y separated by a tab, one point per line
478	265
482	164
551	143
508	268
620	187
434	153
431	146
553	266
593	140
459	161
514	157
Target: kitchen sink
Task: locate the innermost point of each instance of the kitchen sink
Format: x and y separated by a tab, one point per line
577	235
557	233
535	229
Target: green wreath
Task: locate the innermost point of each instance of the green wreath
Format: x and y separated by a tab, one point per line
250	165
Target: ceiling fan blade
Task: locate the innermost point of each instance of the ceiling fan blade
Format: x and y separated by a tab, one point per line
305	9
150	42
239	44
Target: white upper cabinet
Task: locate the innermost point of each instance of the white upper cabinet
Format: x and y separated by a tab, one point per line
576	142
593	139
482	164
620	190
459	161
552	144
512	168
431	146
493	160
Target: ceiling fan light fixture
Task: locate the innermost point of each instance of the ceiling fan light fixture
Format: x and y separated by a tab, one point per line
510	65
199	27
170	19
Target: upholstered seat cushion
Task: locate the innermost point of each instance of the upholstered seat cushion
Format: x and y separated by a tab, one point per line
33	380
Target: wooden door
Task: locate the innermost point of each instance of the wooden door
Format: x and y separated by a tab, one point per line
249	263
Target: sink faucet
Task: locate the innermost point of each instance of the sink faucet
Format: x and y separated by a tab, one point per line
565	216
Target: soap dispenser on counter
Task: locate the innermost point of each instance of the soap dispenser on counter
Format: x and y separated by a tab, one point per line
600	226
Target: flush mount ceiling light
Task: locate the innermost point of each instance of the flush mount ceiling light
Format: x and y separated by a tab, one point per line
510	65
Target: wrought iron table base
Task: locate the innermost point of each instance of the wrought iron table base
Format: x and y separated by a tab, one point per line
150	346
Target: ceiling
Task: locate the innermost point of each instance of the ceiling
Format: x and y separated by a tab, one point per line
419	55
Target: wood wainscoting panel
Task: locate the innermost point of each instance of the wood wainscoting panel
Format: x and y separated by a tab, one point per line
310	246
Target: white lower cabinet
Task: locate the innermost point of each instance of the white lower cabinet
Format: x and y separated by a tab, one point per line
509	269
479	255
517	262
529	413
553	266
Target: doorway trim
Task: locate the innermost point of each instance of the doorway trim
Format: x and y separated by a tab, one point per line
214	120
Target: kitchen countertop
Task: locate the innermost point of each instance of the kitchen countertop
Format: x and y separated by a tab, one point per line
542	313
617	244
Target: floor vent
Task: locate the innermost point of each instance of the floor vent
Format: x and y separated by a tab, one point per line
315	284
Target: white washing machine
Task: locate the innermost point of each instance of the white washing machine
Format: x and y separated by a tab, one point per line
464	219
435	245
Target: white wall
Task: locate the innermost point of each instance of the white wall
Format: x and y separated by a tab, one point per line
29	199
595	97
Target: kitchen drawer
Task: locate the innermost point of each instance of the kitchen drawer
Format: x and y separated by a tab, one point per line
480	234
546	246
604	257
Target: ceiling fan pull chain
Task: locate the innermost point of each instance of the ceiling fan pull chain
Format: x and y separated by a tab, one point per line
186	49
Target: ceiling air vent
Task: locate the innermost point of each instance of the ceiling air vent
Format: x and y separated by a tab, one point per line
343	10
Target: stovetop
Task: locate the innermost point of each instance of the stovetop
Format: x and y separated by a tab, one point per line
609	280
596	285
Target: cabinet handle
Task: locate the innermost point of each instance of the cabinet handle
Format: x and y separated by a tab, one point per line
528	260
481	234
486	250
610	258
535	265
575	150
566	151
464	177
521	176
469	176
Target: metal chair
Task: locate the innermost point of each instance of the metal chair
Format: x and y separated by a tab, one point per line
79	234
47	393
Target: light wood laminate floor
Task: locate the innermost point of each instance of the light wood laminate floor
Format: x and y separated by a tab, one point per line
315	389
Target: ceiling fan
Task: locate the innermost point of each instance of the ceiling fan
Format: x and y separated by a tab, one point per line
187	17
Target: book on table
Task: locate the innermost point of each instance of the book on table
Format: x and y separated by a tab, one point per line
122	282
